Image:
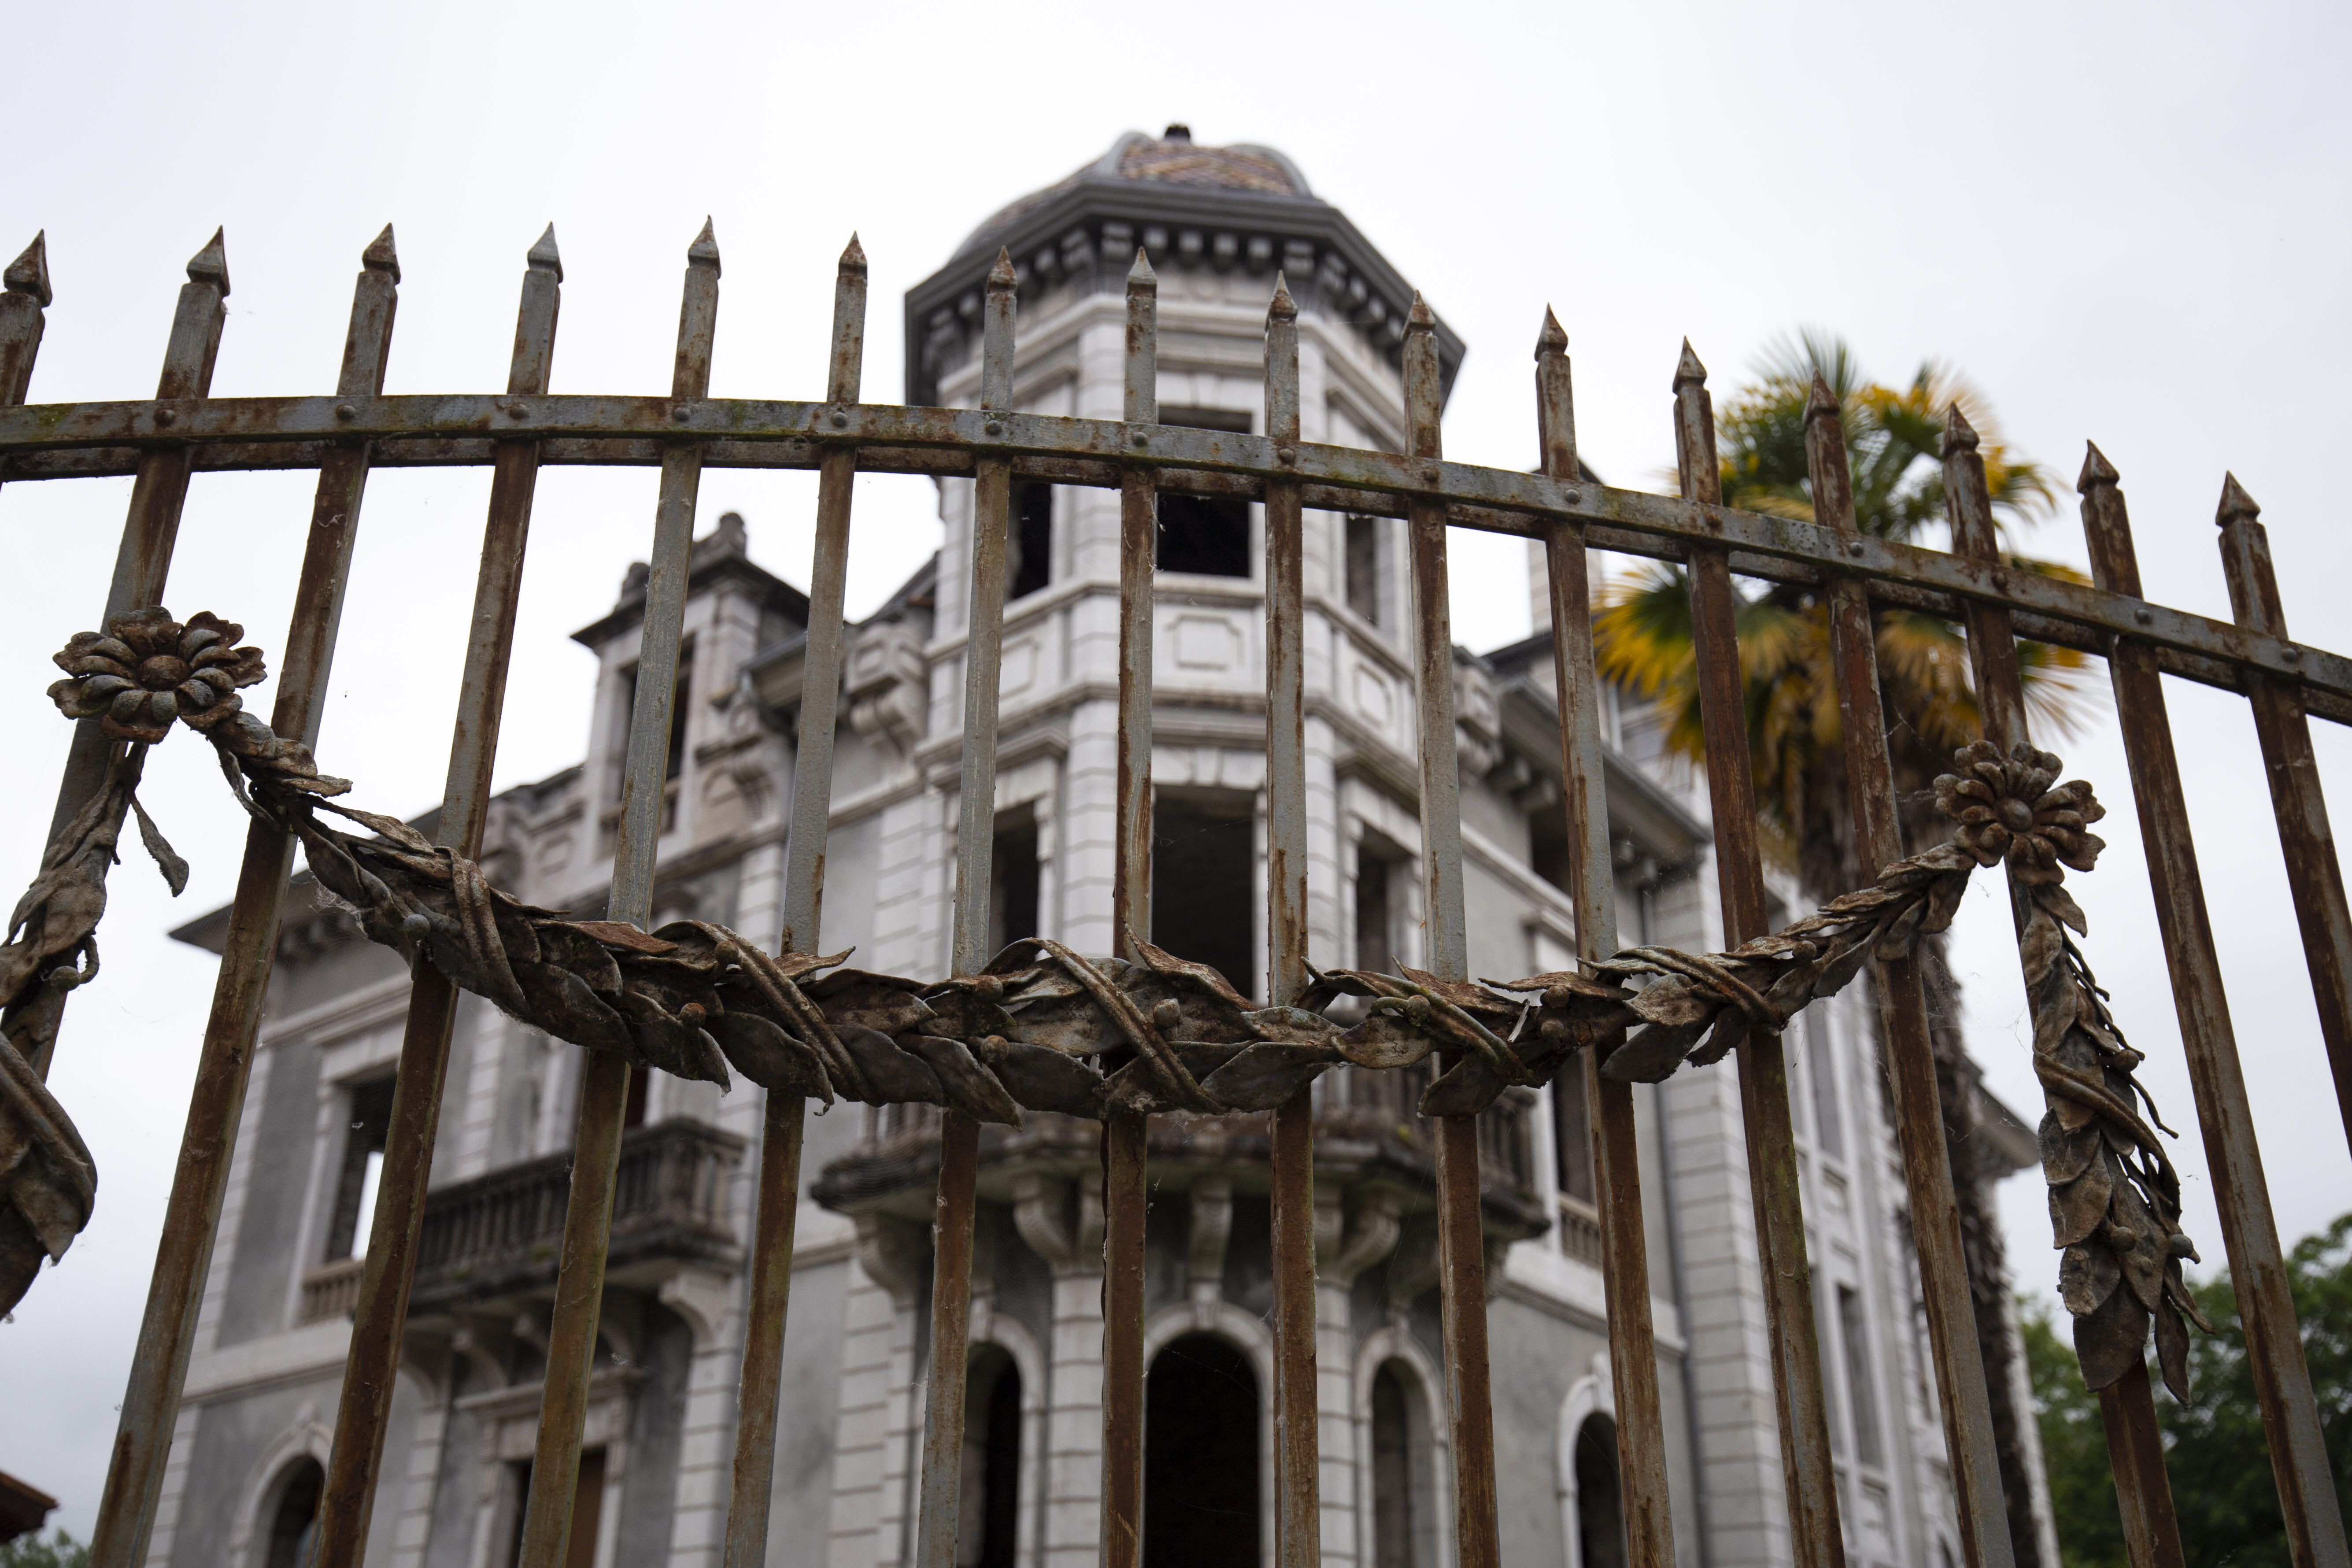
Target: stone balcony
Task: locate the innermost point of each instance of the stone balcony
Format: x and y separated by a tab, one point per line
497	1236
1367	1131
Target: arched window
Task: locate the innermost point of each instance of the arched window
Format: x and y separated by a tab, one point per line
1200	1458
990	1506
1599	1512
294	1521
1404	1509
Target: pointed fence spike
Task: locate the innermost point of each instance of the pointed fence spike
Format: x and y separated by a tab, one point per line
2236	503
1820	400
1422	319
1960	435
1553	339
210	265
380	257
1282	308
544	255
1000	277
2097	470
30	273
1140	275
1687	370
704	251
853	256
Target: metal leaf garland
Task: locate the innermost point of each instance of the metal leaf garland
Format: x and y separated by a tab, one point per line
1044	1028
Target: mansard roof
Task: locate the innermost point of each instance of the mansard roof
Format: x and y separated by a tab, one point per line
1189	207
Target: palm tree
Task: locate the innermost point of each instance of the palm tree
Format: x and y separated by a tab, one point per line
1643	639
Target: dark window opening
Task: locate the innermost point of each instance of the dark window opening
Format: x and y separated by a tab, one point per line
1859	1387
1363	567
294	1522
1547	845
988	1513
1599	1507
1375	909
1206	534
1012	878
1029	541
355	1188
1573	1134
587	1511
1203	882
1200	1458
1394	1531
674	764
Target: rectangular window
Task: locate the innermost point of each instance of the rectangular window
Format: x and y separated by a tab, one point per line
1572	1133
1205	883
1864	1401
1375	915
1363	567
355	1188
1012	878
674	764
1829	1131
1209	535
1029	543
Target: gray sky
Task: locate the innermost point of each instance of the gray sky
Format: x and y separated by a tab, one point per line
2124	223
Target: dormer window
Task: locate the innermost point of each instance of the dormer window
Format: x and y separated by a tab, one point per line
1208	535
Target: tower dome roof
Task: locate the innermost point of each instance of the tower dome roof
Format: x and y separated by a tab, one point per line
1171	158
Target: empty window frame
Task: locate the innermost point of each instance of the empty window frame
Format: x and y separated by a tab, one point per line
1201	1415
1029	544
1377	867
355	1186
1013	878
1208	535
1204	896
1572	1135
1854	1332
987	1520
1360	567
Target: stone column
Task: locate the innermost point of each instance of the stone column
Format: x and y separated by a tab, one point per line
1062	1222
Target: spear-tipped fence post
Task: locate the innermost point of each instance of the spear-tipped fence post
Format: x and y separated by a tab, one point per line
2299	1461
1625	1271
1772	1180
604	1077
784	1118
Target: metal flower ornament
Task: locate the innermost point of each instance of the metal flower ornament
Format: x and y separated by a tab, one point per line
1042	1028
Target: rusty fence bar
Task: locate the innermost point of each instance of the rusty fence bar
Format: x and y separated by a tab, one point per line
150	1399
1988	1524
1126	1131
2234	1162
2127	1408
1617	1164
2313	874
604	1077
354	1467
1461	1225
1297	1454
785	1121
1815	1530
958	1196
182	431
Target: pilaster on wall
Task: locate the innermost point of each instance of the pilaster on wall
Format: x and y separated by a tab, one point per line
1345	1246
876	1378
1062	1222
414	1526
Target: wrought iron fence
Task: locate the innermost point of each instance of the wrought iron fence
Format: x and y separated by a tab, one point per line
1116	1040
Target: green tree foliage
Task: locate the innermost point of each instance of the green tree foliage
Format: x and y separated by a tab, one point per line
2215	1452
59	1550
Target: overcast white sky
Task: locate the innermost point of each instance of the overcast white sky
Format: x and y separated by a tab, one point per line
2124	222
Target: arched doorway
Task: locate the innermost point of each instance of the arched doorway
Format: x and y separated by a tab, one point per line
1404	1510
988	1512
294	1520
1200	1421
1600	1508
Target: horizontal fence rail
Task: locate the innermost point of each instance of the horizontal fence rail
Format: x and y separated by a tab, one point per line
1119	1040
